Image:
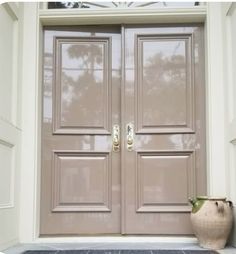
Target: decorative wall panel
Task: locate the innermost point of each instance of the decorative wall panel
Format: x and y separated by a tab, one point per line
81	181
165	91
165	181
8	60
6	175
82	87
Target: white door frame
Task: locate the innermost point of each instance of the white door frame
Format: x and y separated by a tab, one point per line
35	19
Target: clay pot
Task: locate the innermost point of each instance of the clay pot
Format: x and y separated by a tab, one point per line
212	220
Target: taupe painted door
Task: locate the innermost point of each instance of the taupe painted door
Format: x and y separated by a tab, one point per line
80	173
164	102
154	90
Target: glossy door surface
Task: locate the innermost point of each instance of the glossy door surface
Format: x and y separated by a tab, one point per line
123	132
164	101
81	103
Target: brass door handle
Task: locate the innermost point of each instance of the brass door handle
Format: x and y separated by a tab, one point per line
130	136
116	138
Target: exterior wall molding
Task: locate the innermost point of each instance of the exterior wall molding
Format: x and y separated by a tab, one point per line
31	113
215	96
12	9
118	16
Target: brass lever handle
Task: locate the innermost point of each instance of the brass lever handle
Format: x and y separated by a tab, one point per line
130	136
116	138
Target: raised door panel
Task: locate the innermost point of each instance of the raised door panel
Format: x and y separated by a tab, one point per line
82	93
165	93
7	157
8	62
159	175
81	181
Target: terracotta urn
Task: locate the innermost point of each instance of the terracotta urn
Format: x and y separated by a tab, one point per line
212	219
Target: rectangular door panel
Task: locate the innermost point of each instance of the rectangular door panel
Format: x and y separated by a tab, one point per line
82	72
164	101
157	175
81	181
164	81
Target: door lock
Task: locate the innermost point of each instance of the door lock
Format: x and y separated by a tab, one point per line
116	138
130	136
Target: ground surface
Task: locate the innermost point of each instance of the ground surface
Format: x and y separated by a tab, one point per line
118	248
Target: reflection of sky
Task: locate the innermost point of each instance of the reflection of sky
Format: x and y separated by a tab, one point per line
76	63
96	142
76	74
47	109
163	82
166	48
116	54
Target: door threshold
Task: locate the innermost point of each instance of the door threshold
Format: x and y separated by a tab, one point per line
117	239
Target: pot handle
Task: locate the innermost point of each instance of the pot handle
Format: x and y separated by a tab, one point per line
192	201
230	203
220	206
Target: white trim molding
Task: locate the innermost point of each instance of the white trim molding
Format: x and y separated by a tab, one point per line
119	16
215	110
12	9
30	125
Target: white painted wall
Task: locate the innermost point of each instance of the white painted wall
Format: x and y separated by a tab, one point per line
10	121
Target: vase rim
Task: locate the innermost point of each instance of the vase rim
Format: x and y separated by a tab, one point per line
211	198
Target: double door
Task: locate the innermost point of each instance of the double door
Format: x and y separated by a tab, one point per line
123	129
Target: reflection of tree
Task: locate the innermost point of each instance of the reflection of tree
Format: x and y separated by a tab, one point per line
47	74
89	55
164	81
47	87
82	86
66	5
